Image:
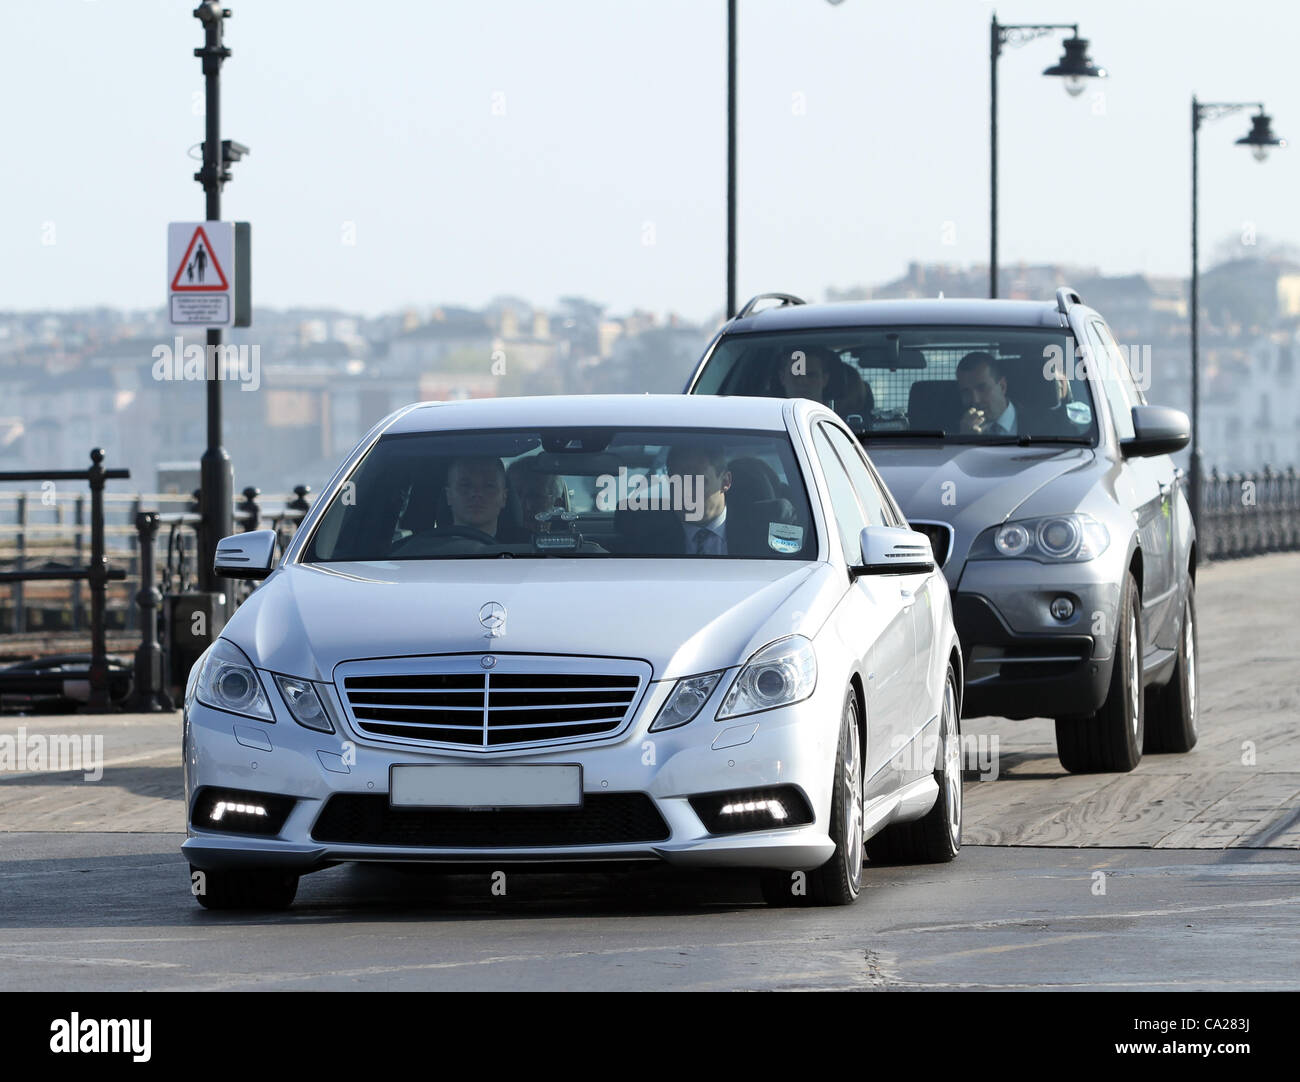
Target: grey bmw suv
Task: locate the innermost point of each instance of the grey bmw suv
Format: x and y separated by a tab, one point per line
1015	435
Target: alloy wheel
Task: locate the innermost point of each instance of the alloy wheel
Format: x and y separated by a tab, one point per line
852	810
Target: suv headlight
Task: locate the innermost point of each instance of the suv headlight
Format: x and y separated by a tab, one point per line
1051	539
686	700
229	682
303	698
781	673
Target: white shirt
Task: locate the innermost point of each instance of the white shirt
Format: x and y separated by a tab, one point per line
1007	422
715	536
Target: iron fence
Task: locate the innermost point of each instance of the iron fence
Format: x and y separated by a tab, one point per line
1246	514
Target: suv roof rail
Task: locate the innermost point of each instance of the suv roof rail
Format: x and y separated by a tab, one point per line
784	298
1067	298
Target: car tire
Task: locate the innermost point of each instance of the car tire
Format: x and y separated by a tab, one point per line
1171	723
936	838
1110	741
839	880
271	888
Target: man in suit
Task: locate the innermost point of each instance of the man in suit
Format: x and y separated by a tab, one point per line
983	384
705	465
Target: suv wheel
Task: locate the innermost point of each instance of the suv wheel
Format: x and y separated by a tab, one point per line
1111	739
1172	711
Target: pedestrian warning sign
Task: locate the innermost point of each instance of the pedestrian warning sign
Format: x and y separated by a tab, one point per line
208	274
199	271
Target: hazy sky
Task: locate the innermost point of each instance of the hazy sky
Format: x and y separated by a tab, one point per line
478	147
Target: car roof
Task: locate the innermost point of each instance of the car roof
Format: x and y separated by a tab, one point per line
600	410
963	312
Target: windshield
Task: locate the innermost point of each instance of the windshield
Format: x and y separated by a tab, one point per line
560	492
967	384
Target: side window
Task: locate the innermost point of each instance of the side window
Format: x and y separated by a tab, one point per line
849	519
863	483
893	513
1111	384
1123	368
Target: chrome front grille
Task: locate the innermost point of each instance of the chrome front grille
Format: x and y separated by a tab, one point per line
519	700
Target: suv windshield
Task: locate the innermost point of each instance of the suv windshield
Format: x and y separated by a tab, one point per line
967	384
663	492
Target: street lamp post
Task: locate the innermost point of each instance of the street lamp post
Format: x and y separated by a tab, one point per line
731	158
1074	67
1260	138
216	475
731	154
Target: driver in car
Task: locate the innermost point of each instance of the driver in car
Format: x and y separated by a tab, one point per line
476	493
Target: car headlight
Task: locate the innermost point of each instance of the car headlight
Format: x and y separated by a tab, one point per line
305	704
192	681
1052	539
781	673
229	682
685	701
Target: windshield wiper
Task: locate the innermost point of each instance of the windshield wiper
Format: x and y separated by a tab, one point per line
1022	441
904	433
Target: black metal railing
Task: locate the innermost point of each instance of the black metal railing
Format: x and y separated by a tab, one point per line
97	573
170	599
156	550
1247	514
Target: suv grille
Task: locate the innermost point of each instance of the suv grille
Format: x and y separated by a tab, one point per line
604	819
940	535
518	701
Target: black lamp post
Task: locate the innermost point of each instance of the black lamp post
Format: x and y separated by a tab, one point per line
1075	67
731	158
731	154
1260	139
216	474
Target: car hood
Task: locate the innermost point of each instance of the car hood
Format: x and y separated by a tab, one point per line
683	617
968	486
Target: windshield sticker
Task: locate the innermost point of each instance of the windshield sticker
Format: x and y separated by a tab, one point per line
784	538
1079	413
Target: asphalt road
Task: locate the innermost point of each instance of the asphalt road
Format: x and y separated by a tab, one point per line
112	912
1184	874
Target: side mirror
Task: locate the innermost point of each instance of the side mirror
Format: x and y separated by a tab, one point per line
1157	430
888	550
245	555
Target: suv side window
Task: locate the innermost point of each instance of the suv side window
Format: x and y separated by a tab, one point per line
1123	367
849	518
863	483
1105	362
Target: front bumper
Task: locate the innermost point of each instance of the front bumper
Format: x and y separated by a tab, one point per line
1023	662
790	746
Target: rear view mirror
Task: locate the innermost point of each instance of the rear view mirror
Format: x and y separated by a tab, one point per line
1157	430
888	550
245	555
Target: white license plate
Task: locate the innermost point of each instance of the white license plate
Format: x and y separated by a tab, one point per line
499	785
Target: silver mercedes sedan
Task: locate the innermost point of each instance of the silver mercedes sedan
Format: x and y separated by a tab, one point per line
560	631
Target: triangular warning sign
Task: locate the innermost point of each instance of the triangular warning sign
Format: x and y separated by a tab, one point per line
199	270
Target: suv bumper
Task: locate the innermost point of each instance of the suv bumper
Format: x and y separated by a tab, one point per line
1023	662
